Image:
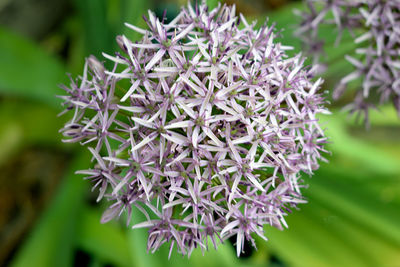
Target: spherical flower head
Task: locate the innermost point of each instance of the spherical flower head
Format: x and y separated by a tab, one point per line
204	125
374	25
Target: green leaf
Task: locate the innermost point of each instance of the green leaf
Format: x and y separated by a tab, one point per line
20	127
106	242
223	256
308	242
132	12
137	240
28	71
355	150
11	136
357	204
212	3
51	242
344	224
98	35
36	123
318	236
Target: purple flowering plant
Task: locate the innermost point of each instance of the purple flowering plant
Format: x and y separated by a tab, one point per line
205	126
375	29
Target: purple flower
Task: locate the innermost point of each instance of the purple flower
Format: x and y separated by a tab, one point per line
374	24
204	125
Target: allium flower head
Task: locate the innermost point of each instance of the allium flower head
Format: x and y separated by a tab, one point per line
375	25
204	126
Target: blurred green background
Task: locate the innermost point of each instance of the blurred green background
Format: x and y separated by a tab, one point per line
48	217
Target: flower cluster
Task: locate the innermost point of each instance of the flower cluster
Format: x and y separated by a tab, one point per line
375	25
204	126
